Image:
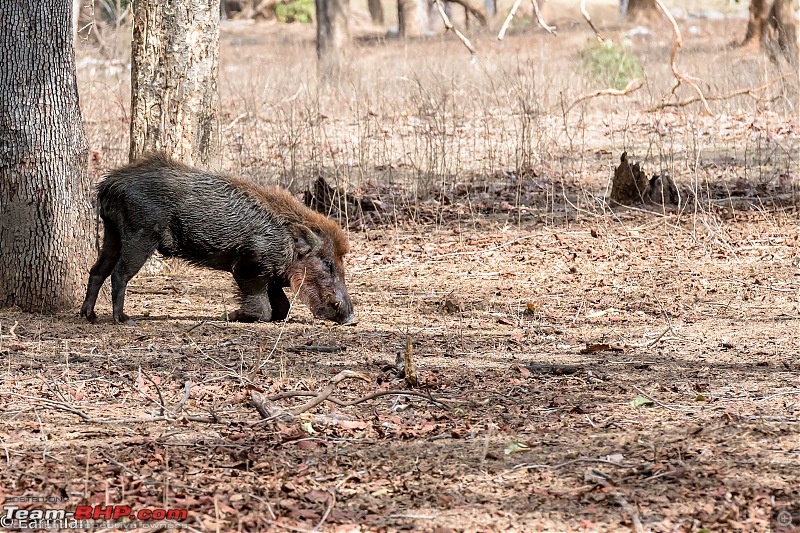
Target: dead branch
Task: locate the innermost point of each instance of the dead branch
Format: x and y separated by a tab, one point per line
320	349
326	392
680	77
476	11
268	409
372	396
586	16
633	85
749	92
510	16
549	29
66	407
449	26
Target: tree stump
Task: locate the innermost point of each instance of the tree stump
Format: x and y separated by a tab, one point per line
631	186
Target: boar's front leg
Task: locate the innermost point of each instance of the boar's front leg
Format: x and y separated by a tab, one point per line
255	299
135	251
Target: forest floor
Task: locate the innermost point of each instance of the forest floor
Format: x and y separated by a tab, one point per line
579	368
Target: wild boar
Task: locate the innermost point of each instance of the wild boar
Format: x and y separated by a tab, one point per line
262	235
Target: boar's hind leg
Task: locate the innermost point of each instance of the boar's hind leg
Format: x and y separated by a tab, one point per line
109	255
278	301
135	252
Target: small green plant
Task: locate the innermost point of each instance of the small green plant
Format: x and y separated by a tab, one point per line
295	11
611	63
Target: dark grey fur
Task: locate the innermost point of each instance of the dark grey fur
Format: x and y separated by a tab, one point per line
158	204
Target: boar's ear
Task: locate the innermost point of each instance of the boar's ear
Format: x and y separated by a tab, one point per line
305	241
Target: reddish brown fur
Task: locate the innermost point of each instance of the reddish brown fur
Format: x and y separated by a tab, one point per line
284	205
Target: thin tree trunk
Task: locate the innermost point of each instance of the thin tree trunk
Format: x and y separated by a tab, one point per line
781	18
333	36
412	18
174	66
46	230
756	23
375	11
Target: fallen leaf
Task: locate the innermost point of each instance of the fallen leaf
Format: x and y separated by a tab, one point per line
641	401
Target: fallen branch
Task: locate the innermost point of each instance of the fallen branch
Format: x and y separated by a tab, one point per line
679	77
350	403
749	92
633	85
449	26
320	349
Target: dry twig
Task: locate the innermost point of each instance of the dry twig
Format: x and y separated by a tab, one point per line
549	29
586	16
680	77
449	26
633	85
749	92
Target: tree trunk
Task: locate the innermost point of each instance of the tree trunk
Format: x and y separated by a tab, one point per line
174	65
642	11
333	36
772	26
782	20
46	230
412	18
756	23
375	11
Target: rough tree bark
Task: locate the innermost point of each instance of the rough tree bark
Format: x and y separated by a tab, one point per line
771	24
333	36
412	17
46	230
174	65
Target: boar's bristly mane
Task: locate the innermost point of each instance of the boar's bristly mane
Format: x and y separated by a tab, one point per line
277	200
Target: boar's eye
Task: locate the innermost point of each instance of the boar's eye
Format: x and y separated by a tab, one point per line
329	265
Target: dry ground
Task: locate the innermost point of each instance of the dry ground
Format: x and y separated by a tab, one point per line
680	328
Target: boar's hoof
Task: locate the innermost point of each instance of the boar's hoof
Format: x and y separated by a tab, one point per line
91	316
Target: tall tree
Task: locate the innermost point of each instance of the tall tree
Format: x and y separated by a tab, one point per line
375	11
771	24
412	17
333	35
174	66
46	230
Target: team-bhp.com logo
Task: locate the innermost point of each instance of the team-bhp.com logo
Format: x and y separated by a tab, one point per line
84	516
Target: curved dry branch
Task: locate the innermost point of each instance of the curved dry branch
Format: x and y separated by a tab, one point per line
633	85
586	16
449	26
679	76
749	92
549	29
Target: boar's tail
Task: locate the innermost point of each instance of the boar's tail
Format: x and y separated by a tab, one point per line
108	198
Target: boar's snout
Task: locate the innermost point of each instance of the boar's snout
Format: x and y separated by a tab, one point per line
338	309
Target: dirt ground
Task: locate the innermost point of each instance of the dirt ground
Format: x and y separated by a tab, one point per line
580	368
